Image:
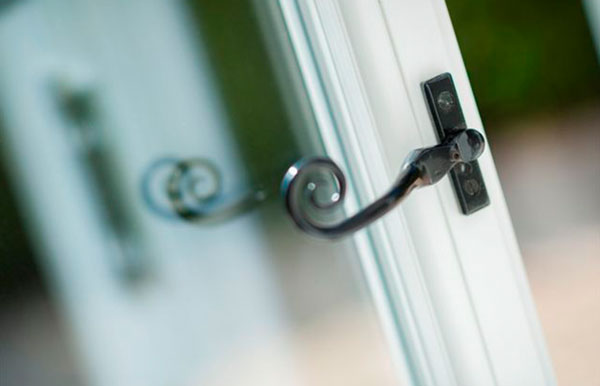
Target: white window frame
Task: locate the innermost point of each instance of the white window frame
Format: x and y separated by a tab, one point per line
451	289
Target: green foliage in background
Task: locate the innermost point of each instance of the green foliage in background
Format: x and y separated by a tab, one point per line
526	56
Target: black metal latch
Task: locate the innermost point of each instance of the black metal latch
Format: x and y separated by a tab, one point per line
449	120
316	186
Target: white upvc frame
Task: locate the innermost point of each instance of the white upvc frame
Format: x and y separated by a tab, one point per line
451	289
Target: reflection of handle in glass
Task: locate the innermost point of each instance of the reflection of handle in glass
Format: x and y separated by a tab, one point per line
192	190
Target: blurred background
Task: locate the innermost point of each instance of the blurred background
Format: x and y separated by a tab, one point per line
534	68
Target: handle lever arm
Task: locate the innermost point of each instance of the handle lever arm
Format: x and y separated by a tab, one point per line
422	167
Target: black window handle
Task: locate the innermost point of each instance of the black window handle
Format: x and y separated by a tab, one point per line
306	181
422	167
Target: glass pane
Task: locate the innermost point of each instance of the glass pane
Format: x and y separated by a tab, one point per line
147	141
